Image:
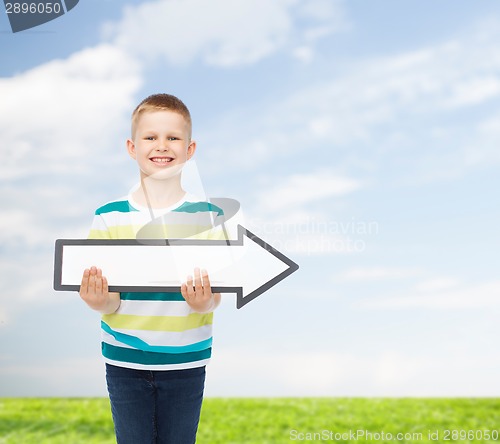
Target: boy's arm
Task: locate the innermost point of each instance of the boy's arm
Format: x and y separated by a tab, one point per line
199	296
94	291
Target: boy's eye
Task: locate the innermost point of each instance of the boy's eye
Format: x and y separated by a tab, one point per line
154	138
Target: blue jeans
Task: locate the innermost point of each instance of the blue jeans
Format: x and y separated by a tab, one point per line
155	407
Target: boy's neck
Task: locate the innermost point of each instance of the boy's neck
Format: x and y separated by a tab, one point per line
163	193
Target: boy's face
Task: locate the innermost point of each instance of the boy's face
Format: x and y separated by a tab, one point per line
161	144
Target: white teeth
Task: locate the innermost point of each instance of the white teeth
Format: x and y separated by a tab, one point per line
162	159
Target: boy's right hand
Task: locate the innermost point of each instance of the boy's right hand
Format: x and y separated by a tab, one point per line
94	291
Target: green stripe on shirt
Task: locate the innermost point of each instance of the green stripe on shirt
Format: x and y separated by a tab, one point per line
137	296
122	206
195	207
152	358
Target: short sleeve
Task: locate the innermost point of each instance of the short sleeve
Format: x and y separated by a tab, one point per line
99	229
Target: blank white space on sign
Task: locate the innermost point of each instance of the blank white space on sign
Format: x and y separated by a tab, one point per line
143	265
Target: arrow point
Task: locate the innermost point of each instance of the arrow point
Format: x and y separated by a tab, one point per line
242	298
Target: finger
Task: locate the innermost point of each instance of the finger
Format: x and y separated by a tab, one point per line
189	287
105	288
98	281
207	289
184	290
93	273
85	281
197	282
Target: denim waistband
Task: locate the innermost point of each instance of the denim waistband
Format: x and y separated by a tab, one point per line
124	372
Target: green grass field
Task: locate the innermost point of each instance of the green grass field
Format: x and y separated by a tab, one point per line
261	421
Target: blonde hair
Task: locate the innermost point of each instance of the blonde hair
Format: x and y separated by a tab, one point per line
161	102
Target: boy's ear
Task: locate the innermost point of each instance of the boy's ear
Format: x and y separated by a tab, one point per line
131	148
191	149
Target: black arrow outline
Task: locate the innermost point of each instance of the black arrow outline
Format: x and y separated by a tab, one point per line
22	21
241	300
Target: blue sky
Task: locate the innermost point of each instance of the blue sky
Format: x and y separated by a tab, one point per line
361	139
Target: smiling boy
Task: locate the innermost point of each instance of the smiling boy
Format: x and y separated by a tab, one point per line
156	345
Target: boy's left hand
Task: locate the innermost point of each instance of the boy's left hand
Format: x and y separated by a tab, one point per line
199	296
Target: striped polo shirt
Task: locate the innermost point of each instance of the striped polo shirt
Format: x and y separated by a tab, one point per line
157	331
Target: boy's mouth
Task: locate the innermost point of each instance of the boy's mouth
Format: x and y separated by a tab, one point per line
161	160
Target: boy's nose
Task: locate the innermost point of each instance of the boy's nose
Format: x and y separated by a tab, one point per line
162	146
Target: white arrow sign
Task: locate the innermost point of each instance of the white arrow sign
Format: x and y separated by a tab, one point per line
247	266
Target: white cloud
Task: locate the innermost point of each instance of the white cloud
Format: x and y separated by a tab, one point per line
378	273
58	377
303	53
437	284
399	116
385	372
4	317
221	32
63	116
27	283
474	90
297	214
323	10
440	294
60	125
388	89
398	373
297	190
278	374
36	212
315	244
483	148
